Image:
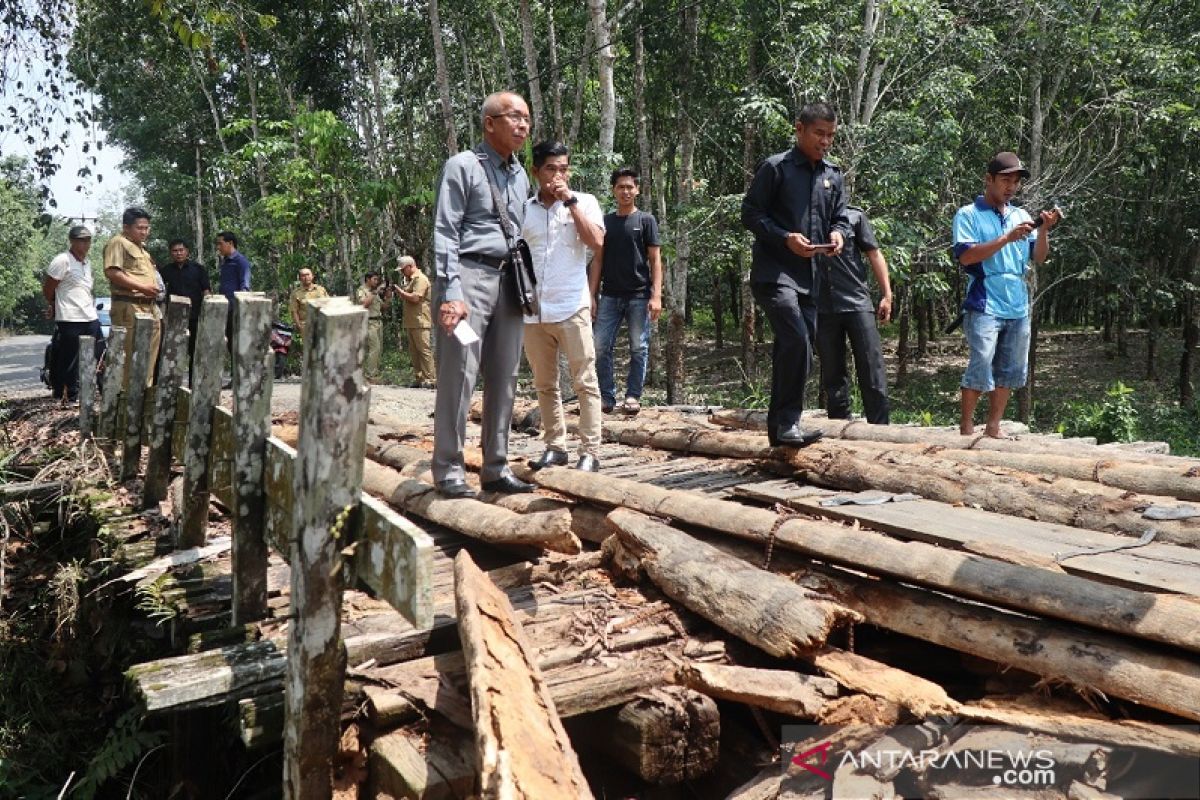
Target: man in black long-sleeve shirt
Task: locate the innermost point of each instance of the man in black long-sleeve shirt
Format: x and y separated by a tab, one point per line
796	208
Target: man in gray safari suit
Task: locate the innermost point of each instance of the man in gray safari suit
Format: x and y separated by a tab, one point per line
473	285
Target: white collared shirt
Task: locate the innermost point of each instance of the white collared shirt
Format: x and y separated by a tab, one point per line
559	256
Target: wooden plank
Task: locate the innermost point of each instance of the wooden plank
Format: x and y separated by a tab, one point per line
521	748
403	765
87	384
279	477
253	364
206	389
114	376
1157	567
140	369
791	693
328	483
220	457
161	430
395	558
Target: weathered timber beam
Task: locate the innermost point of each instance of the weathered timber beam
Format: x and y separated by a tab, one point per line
760	608
521	748
1163	618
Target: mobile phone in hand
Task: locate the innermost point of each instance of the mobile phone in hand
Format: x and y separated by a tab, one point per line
1037	223
824	248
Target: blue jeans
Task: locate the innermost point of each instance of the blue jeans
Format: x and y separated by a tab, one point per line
999	351
611	312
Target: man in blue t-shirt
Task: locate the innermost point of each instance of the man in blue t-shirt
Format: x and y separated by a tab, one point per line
625	280
993	241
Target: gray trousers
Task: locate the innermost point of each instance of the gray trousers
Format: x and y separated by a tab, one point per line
493	314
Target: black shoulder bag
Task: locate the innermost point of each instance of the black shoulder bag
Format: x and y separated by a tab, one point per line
519	259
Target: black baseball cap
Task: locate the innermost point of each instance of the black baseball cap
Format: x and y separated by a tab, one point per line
1004	163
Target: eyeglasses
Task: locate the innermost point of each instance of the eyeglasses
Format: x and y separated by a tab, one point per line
515	117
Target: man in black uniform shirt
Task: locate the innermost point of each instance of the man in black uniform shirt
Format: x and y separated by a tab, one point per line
846	310
796	208
186	278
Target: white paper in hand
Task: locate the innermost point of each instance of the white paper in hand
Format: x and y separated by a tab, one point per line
465	333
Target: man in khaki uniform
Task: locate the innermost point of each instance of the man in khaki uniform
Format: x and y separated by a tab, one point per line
304	291
369	297
135	281
414	289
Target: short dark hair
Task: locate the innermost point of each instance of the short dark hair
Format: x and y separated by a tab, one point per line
371	274
171	244
625	172
812	112
228	237
133	214
547	149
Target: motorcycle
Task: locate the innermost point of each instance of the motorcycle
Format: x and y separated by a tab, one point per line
281	343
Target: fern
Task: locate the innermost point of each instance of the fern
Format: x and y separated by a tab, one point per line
122	747
151	598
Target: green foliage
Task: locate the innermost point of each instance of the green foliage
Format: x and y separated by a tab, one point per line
1113	419
125	743
153	600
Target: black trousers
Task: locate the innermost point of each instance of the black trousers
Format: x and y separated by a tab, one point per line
64	367
859	327
793	318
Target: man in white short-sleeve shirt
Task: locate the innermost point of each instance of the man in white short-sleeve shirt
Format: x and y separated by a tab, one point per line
560	226
67	288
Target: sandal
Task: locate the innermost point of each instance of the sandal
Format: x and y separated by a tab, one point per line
631	406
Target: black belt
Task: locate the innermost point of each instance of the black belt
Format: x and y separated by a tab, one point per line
486	260
132	298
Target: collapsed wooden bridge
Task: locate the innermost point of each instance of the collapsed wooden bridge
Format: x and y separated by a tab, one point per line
659	623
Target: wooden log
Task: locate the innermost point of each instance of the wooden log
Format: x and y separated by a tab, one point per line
922	697
1162	618
172	368
334	398
547	529
752	604
521	748
135	394
87	385
1082	504
39	491
1065	501
205	393
1181	482
859	430
790	693
110	399
1089	660
665	737
438	767
253	364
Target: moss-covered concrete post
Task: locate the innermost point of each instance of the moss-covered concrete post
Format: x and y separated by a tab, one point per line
139	368
114	375
328	485
253	365
87	383
206	393
171	369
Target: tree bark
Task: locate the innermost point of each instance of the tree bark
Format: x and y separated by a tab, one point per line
532	71
645	155
606	56
677	270
581	74
555	73
442	76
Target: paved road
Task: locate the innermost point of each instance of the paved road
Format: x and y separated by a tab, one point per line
20	364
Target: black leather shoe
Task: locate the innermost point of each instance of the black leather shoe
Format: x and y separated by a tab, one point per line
550	458
455	489
508	484
795	437
588	463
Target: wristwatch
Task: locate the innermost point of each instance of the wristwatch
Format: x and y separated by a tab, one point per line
570	201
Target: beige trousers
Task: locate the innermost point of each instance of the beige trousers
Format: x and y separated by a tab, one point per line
421	354
374	348
573	337
123	315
